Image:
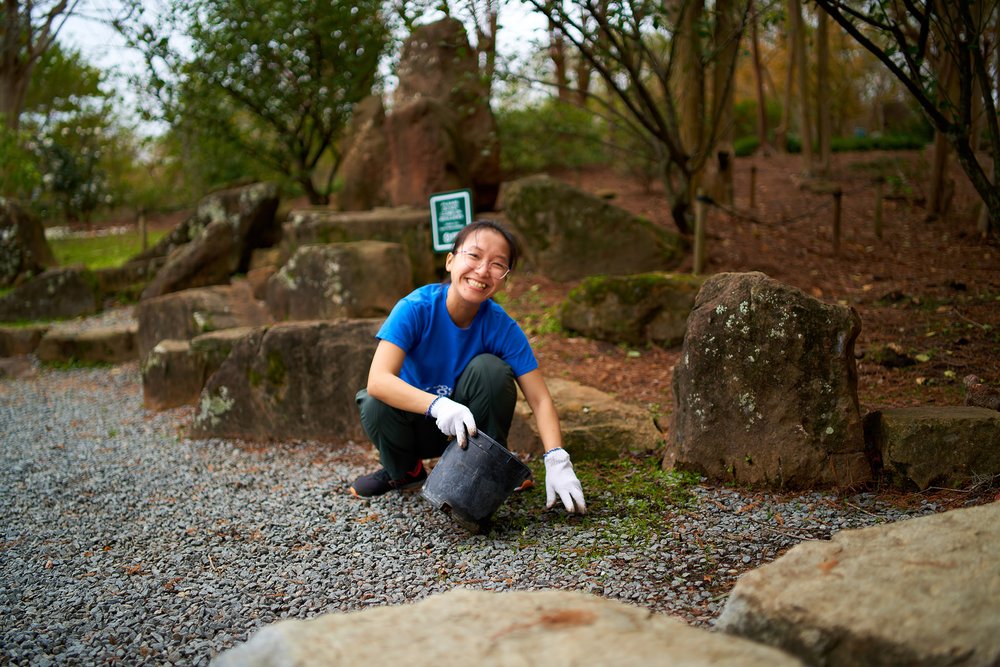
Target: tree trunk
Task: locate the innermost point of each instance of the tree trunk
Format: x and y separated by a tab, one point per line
557	53
690	89
727	45
938	198
486	45
781	132
763	144
315	197
822	91
799	56
583	73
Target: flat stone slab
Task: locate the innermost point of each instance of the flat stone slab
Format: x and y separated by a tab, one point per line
113	344
172	375
594	425
15	341
497	629
920	592
949	446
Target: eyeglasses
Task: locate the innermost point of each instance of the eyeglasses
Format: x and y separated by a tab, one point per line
475	261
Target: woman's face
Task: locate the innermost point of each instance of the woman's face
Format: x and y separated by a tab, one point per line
479	267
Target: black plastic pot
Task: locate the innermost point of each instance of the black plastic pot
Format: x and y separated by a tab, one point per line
470	484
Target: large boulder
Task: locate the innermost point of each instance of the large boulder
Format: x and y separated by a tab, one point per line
765	391
338	280
56	294
409	227
441	133
23	248
569	234
948	446
189	313
363	168
223	232
636	309
498	629
922	592
294	380
594	425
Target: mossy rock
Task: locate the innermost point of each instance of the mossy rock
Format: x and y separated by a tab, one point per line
569	234
635	309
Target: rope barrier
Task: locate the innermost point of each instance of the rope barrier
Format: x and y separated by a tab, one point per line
740	215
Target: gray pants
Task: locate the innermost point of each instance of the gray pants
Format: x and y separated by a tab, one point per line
403	439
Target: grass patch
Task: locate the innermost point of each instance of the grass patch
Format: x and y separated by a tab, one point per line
101	252
75	364
629	500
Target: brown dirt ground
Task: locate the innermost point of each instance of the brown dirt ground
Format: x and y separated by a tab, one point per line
930	288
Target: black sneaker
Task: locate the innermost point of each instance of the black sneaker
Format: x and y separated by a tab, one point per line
378	482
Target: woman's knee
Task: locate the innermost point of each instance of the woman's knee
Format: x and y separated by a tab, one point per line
491	369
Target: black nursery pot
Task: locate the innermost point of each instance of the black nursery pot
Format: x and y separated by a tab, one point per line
470	484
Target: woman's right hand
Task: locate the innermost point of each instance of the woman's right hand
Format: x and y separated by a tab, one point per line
454	419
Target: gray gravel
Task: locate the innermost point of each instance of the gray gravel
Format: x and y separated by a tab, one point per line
125	542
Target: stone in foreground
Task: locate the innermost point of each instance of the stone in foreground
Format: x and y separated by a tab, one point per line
497	629
920	592
947	446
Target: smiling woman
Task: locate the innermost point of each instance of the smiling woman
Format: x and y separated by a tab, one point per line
450	357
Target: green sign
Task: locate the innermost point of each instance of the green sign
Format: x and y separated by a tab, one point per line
450	211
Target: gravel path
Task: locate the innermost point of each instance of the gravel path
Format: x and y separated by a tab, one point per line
122	541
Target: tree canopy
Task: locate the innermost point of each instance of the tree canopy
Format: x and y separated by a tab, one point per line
276	79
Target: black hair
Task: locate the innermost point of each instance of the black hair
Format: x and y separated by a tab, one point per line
484	223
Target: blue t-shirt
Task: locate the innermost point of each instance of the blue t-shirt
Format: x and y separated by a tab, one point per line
437	350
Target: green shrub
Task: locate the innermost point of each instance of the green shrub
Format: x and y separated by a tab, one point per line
548	135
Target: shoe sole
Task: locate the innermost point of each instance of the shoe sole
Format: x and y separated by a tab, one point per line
406	487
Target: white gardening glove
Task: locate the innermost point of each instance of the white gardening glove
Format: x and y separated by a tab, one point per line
561	480
454	419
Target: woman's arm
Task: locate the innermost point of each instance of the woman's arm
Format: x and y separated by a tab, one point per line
540	400
385	384
560	479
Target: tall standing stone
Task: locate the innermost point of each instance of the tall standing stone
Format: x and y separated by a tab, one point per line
364	169
441	133
765	391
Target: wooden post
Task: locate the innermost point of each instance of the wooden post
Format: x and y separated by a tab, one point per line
879	193
836	220
700	211
753	185
142	228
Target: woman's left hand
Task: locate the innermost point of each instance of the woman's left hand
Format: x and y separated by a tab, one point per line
561	481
